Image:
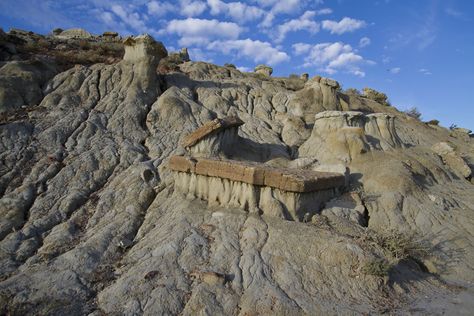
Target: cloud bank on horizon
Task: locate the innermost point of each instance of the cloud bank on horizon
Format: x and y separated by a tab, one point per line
389	45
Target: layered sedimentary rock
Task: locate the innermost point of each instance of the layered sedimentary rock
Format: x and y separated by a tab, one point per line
74	33
319	94
342	136
143	46
214	138
452	159
264	70
287	193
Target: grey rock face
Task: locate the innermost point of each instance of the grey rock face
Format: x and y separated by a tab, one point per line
90	222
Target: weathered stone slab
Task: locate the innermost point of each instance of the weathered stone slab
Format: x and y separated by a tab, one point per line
211	127
292	180
183	164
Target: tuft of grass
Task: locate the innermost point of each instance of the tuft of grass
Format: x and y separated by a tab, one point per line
396	246
376	267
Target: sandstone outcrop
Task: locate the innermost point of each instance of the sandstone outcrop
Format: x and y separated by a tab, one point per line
143	47
345	135
91	223
264	70
214	138
286	193
74	33
319	94
455	162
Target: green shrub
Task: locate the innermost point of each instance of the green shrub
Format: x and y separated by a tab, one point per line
376	267
413	112
375	95
352	91
433	122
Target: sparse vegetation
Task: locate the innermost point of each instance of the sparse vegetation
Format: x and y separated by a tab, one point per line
413	112
433	122
352	91
376	267
375	95
396	246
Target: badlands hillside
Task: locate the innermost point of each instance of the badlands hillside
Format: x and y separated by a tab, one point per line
134	181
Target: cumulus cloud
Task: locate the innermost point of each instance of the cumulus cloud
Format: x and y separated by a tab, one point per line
201	31
324	11
424	71
343	26
238	11
304	22
244	69
364	41
275	7
255	50
332	57
395	70
157	8
130	18
301	48
192	8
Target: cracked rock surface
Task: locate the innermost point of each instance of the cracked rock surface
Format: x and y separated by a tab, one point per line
90	223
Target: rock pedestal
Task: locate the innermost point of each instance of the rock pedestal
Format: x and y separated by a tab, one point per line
143	47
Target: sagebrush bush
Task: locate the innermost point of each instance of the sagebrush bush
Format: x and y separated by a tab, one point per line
413	112
375	95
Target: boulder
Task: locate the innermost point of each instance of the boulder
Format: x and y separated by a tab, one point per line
264	70
74	33
143	47
454	161
304	77
110	34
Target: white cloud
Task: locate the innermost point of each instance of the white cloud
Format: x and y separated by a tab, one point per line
334	57
364	41
276	7
131	18
386	59
304	22
238	11
158	8
244	69
301	48
425	71
192	8
343	26
256	50
324	11
200	31
199	55
395	70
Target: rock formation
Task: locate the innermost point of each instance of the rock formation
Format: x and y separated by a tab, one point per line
93	221
264	70
214	138
345	135
74	33
143	47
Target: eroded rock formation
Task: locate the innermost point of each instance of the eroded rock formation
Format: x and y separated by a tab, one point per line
90	221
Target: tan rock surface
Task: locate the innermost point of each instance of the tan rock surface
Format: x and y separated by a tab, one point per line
214	126
90	222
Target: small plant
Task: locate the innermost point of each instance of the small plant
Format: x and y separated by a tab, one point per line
352	91
375	95
433	122
413	112
376	267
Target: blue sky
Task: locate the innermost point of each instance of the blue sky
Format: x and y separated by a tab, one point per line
418	52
